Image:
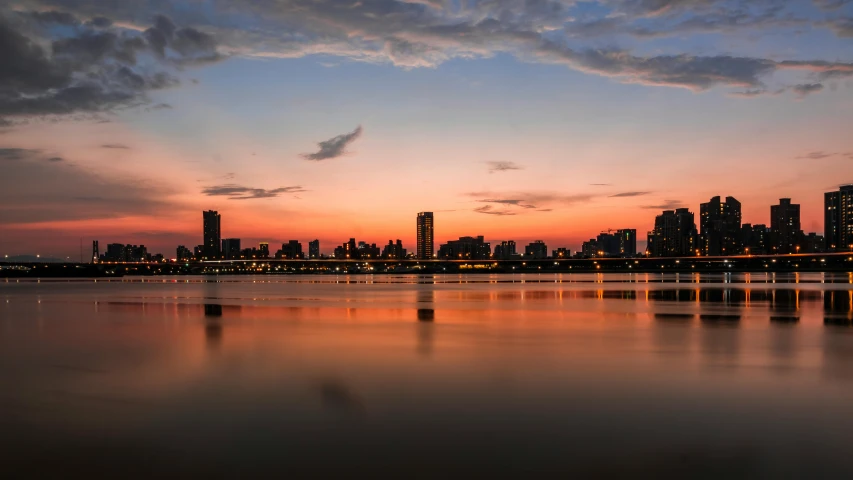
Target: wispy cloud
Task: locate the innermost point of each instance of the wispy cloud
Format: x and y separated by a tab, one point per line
629	194
819	155
239	192
503	166
117	146
491	210
805	89
333	147
601	184
666	205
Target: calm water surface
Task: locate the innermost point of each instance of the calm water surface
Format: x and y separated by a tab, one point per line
409	377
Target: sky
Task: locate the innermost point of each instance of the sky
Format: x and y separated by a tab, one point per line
517	120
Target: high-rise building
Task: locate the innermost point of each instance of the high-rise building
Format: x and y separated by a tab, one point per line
785	226
720	227
231	248
291	250
619	243
536	250
394	251
347	251
426	236
506	250
838	219
263	250
466	248
561	252
212	235
674	234
755	239
314	249
183	253
96	255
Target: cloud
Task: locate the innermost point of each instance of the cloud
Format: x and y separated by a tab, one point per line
63	191
490	210
815	156
666	205
88	67
333	147
239	192
807	89
503	166
629	194
116	146
601	184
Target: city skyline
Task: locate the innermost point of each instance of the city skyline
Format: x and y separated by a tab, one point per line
549	120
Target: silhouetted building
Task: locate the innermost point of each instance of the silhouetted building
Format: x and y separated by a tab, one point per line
198	252
785	226
720	226
674	234
347	251
394	251
838	219
813	243
561	252
314	249
426	235
263	250
536	250
291	250
115	253
96	255
212	235
466	248
619	243
755	239
231	248
506	250
183	253
589	249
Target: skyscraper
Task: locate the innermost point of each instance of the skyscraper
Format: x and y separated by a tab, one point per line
426	233
212	236
785	226
96	255
314	249
838	219
720	227
674	234
231	248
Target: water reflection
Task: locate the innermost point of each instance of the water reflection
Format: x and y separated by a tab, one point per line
426	317
838	308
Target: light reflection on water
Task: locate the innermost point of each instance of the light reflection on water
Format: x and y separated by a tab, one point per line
594	375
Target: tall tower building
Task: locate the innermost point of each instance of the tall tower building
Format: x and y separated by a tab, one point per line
838	219
212	237
96	254
674	234
426	234
314	249
720	227
785	226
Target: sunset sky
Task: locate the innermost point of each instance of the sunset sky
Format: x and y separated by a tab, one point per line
297	119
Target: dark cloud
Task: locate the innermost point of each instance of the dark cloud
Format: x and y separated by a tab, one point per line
63	192
239	192
807	89
601	184
117	146
815	156
334	147
666	205
503	166
832	4
95	68
629	194
491	210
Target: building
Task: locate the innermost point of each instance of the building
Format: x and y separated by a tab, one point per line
96	255
291	250
231	249
368	251
425	236
466	248
506	250
755	239
838	219
115	253
183	253
263	250
813	243
314	249
536	250
674	234
589	249
785	226
720	227
212	235
347	251
617	243
394	251
561	252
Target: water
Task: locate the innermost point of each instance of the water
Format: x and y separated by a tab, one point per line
464	376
